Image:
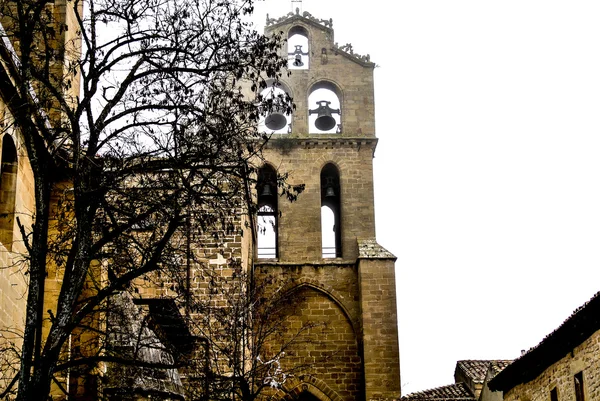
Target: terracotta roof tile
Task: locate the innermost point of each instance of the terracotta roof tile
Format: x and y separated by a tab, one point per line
458	391
476	369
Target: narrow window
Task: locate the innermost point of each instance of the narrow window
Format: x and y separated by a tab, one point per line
579	394
267	213
331	239
554	394
8	185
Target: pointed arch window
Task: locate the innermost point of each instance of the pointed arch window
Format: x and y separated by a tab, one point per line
267	213
8	186
331	238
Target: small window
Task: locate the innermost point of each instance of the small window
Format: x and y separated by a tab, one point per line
579	391
554	394
8	186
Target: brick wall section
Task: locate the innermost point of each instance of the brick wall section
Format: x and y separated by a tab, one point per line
379	322
584	358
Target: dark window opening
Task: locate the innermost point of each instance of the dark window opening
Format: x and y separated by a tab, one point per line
579	393
554	394
267	216
331	238
8	186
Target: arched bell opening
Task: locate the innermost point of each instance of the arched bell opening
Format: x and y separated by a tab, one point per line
331	233
324	114
298	51
276	114
8	186
267	215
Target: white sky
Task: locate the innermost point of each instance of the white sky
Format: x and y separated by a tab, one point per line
487	171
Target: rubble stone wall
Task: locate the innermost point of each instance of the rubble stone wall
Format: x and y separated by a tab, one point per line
584	358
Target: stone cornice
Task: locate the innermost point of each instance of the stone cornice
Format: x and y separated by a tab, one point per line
284	142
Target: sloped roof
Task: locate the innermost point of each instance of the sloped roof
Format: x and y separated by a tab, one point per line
458	391
582	323
476	369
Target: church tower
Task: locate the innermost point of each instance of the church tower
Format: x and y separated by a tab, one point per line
324	243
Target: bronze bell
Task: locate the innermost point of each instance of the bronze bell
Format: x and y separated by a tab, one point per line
298	61
324	121
276	120
298	53
266	191
329	185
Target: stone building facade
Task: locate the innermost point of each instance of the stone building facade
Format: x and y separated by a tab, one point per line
563	366
343	289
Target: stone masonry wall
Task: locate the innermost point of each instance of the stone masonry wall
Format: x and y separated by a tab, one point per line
584	358
13	281
380	328
323	296
300	221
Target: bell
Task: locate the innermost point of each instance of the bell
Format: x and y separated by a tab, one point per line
298	53
275	121
329	192
298	61
324	121
266	191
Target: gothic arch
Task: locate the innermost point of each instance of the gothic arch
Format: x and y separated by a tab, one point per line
282	84
327	81
332	295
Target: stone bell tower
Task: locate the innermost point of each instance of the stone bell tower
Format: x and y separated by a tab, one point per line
324	243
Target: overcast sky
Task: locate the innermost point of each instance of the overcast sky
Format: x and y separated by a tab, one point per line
487	173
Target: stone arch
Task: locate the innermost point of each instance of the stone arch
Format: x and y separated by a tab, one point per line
324	160
332	294
315	81
293	389
325	94
282	83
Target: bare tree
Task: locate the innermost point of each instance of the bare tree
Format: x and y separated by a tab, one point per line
132	115
246	344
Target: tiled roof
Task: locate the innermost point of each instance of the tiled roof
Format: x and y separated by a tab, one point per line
370	249
499	365
582	323
458	391
476	369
